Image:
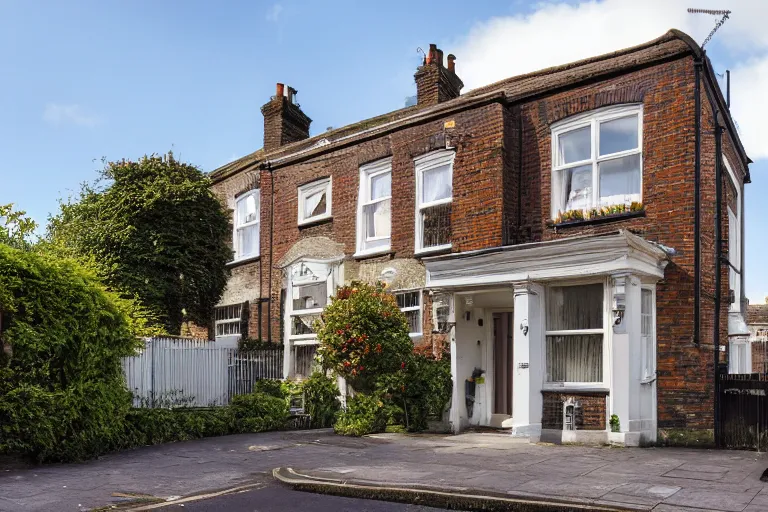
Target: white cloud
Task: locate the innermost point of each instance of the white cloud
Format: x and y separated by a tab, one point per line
273	15
57	114
556	33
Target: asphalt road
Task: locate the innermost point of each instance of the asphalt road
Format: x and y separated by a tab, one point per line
274	497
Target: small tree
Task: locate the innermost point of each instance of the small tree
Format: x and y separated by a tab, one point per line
363	335
16	229
155	231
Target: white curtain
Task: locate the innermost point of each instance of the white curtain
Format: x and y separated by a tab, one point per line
437	184
575	307
620	180
312	202
575	358
575	188
381	186
248	241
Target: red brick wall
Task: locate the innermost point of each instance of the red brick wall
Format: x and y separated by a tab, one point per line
589	416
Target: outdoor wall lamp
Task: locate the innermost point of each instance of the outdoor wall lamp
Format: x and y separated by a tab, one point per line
619	305
524	327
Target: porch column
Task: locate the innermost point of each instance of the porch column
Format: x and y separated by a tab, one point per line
287	359
454	416
528	360
625	349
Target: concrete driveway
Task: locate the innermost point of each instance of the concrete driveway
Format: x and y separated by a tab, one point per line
659	479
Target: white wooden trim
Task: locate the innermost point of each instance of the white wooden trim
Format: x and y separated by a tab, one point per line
581	257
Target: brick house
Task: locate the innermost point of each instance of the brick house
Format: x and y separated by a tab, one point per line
754	356
555	230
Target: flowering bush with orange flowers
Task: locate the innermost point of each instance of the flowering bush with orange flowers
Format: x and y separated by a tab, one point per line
363	335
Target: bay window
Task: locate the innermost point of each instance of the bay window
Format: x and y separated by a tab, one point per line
574	334
434	195
315	201
597	160
374	216
247	222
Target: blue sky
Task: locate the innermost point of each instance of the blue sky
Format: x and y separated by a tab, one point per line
83	80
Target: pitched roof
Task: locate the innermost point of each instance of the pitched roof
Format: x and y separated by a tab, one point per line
757	314
671	45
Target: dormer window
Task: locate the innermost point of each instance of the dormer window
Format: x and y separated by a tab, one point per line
597	160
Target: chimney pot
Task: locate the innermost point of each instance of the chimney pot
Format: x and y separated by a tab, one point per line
440	61
279	90
451	63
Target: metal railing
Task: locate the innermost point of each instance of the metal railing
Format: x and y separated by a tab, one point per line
172	372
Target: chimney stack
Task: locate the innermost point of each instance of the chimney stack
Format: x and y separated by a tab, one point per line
284	122
434	82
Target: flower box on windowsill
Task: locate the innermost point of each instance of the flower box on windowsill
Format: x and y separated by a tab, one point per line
598	215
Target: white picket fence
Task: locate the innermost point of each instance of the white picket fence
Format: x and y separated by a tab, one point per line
175	372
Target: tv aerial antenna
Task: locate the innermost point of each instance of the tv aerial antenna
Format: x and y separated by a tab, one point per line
713	12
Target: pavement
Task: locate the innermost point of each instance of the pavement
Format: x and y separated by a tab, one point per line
438	470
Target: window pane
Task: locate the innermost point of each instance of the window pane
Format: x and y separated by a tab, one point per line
575	146
247	209
414	321
310	296
436	225
573	188
377	218
381	186
618	135
575	307
620	180
437	183
407	299
315	204
646	312
248	241
302	324
575	358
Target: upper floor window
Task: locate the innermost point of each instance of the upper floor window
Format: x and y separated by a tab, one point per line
247	222
374	214
315	201
574	335
434	195
597	160
734	235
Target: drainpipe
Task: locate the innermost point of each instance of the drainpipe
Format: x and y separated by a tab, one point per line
718	263
697	63
520	176
271	249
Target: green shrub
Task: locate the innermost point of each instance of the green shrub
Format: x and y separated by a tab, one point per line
62	395
363	335
321	399
365	414
258	412
427	390
156	426
274	388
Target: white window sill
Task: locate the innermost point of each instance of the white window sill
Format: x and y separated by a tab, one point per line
313	220
574	387
430	250
243	259
305	312
372	252
303	340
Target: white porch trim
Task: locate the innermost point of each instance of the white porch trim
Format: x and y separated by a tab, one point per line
585	256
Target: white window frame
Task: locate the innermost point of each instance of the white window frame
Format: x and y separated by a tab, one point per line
593	119
367	173
309	189
419	307
734	364
606	331
332	276
229	320
240	227
648	346
422	164
735	260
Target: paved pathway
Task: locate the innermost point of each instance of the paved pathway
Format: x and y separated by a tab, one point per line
661	479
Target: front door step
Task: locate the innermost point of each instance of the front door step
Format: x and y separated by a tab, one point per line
500	421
